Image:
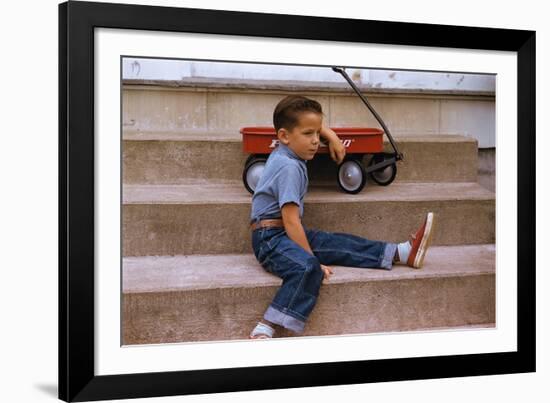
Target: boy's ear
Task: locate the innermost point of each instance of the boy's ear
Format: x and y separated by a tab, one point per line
282	135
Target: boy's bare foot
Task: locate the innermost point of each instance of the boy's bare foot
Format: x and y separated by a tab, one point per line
420	242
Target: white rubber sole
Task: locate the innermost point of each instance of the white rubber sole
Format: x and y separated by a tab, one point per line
425	243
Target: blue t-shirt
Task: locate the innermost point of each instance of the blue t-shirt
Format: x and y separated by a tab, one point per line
284	180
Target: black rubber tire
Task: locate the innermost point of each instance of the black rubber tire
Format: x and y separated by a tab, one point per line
362	171
251	161
387	179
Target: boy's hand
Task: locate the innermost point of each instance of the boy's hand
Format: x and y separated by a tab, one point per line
327	273
337	151
335	146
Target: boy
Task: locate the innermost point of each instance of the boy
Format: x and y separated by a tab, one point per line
301	257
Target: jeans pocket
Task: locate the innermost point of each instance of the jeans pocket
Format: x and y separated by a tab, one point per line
263	243
256	241
259	246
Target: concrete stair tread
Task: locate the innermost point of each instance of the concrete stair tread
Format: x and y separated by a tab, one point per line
235	136
149	274
171	157
206	191
165	109
221	297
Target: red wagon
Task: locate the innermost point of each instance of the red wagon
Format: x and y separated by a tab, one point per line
352	175
259	142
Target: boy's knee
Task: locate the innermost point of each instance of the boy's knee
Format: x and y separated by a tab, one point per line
313	264
315	275
309	266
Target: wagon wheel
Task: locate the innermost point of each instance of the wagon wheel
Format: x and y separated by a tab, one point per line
253	169
383	176
351	176
250	158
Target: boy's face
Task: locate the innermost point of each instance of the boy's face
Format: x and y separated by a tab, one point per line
303	139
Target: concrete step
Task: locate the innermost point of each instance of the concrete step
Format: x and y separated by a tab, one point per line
199	106
212	218
164	158
199	298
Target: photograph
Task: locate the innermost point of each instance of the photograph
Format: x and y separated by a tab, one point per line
268	201
253	201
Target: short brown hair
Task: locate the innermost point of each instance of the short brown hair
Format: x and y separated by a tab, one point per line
287	110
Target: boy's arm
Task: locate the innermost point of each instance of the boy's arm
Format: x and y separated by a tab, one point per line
293	226
336	148
295	231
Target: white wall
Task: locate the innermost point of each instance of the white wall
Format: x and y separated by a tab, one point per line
151	69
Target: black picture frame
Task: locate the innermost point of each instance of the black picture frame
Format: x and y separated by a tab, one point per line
77	379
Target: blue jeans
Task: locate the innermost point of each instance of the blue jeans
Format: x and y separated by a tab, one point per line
301	272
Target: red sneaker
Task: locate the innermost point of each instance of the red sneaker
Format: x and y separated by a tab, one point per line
421	242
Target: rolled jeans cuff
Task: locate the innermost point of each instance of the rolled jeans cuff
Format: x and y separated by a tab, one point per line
387	257
288	322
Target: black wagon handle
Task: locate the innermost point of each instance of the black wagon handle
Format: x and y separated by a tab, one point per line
342	71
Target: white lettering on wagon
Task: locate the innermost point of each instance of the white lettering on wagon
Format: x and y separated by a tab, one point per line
345	142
